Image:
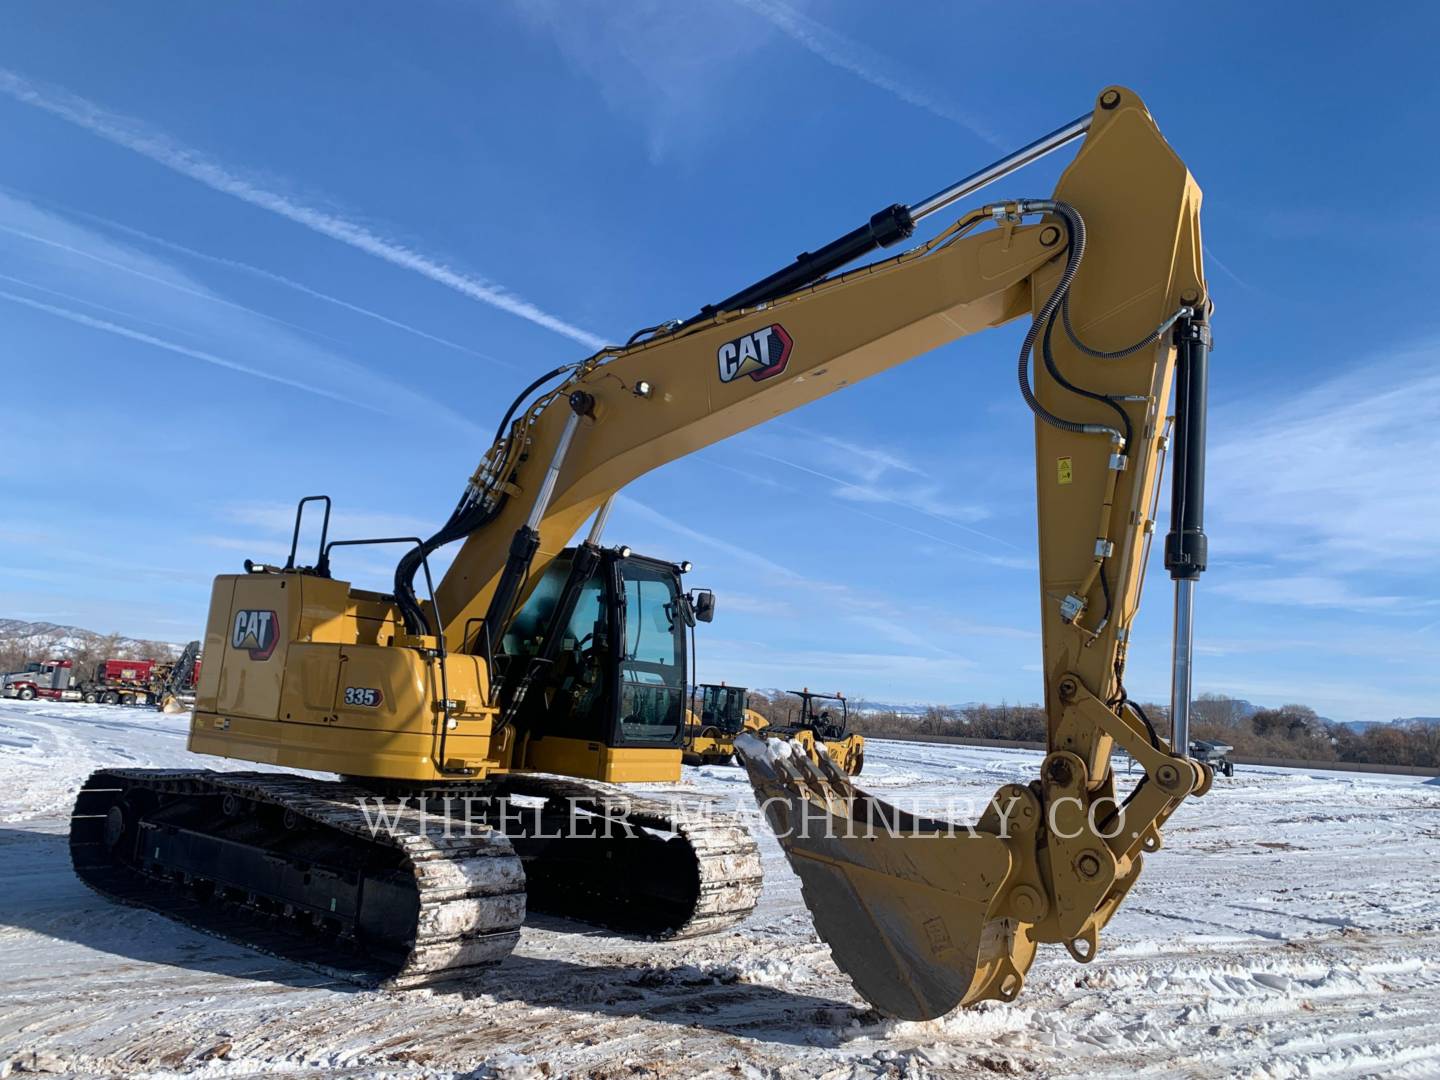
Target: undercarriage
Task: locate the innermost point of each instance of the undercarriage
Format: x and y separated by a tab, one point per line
405	887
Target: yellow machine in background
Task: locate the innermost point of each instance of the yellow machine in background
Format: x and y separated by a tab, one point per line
714	720
821	723
450	699
722	714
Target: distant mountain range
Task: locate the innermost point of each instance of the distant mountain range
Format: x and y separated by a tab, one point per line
60	642
911	708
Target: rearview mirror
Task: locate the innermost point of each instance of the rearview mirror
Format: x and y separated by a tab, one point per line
704	605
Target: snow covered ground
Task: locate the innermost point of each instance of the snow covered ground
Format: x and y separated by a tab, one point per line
1291	927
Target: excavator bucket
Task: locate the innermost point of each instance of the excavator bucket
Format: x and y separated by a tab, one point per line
906	904
172	705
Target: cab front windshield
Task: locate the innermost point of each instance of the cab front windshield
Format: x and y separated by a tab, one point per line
652	665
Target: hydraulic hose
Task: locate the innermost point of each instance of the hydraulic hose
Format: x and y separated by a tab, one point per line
459	525
524	394
1152	338
1054	369
1075	226
473	511
1058	303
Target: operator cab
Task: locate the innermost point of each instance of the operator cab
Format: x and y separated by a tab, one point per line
826	715
615	671
723	708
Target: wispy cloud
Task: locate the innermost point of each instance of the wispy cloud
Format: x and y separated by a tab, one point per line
81	267
870	461
1340	474
72	298
873	492
278	518
760	663
1215	260
286	282
859	60
1008	562
199	294
263	529
675	69
848	492
1307	590
775	571
871	472
182	350
875	615
131	134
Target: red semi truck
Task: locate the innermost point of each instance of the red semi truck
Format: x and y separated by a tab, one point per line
53	679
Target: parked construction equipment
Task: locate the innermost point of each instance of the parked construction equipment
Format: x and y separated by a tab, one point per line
177	681
717	714
113	682
821	722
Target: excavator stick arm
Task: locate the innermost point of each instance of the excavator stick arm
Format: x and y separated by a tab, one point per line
925	922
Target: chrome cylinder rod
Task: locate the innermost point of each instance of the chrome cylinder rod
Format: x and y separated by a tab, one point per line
552	474
1180	675
1002	168
526	541
885	228
597	527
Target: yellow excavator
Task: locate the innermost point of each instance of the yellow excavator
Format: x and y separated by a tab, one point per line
478	765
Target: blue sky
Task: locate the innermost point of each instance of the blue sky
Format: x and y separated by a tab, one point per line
250	252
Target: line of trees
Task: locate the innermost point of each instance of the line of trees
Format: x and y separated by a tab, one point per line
1289	731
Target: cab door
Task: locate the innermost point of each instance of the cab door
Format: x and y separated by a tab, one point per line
650	693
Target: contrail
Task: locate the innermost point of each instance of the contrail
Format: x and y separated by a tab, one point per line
842	52
1210	254
98	307
200	293
158	148
183	350
289	283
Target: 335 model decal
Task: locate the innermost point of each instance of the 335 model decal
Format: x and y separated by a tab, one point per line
362	695
761	354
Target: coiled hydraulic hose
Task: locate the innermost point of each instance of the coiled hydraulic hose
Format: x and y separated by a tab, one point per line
1075	226
1059	300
